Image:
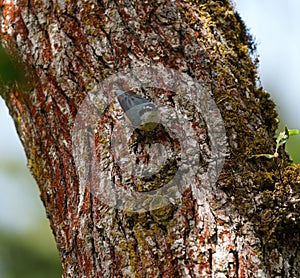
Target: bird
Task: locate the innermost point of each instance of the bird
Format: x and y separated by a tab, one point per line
139	112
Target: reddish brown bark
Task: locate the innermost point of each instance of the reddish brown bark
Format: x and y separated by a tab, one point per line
196	228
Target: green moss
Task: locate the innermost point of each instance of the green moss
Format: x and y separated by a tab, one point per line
281	217
163	210
263	190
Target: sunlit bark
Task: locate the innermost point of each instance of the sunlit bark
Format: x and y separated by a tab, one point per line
203	205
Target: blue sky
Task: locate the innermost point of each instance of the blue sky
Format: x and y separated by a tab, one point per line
274	24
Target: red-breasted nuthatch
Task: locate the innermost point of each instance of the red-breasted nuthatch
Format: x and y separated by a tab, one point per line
139	112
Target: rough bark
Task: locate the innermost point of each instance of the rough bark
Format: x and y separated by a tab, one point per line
193	59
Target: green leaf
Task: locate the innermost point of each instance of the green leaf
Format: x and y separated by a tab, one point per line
293	132
267	155
282	137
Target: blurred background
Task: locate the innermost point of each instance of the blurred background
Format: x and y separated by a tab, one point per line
27	248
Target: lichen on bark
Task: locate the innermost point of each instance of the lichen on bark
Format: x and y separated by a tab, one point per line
243	226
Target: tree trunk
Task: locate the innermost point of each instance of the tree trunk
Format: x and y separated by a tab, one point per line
184	200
